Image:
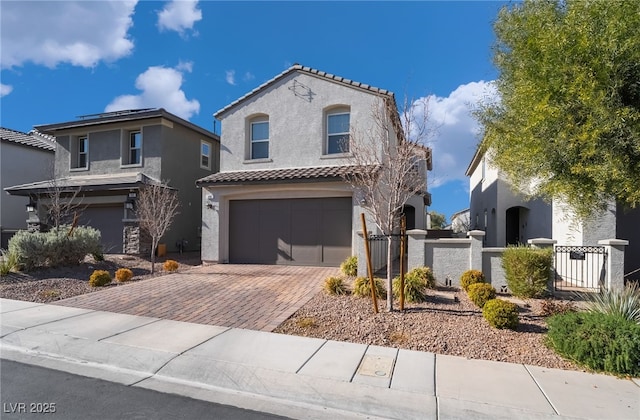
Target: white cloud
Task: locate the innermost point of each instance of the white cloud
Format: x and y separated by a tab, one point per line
161	88
456	136
248	76
5	90
179	15
81	33
230	77
186	66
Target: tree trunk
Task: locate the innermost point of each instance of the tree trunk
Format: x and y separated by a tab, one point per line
153	257
390	274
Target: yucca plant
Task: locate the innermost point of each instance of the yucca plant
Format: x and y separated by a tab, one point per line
624	302
8	262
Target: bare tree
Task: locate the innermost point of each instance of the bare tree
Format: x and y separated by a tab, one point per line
63	203
156	206
390	162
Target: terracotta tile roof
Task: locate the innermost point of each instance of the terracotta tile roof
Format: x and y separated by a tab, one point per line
308	70
33	138
316	173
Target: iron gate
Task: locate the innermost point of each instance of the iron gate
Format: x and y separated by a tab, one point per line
579	268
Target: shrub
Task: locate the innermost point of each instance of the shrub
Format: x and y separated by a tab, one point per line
349	267
415	283
362	287
335	286
550	307
599	341
99	278
624	302
170	265
501	314
470	277
54	248
8	262
481	293
527	270
123	274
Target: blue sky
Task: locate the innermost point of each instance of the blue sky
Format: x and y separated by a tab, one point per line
63	59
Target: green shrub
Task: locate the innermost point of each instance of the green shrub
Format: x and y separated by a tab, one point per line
335	286
425	275
99	278
599	341
349	267
624	302
501	314
362	287
8	262
170	265
416	282
54	248
481	293
470	277
527	270
124	274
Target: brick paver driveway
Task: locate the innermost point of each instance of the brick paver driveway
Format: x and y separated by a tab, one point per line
256	297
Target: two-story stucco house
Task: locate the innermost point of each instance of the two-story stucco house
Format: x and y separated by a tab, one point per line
106	158
24	157
280	197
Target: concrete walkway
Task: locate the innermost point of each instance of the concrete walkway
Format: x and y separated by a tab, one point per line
249	296
300	377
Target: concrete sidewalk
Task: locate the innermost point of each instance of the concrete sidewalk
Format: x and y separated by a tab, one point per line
301	377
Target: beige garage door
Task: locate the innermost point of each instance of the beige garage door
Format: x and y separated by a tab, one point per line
313	231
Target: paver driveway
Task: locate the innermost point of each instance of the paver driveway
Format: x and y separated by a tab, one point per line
257	297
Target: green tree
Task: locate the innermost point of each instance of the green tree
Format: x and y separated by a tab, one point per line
438	220
568	113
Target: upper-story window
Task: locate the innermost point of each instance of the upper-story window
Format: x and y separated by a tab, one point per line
132	148
260	138
338	131
79	152
205	154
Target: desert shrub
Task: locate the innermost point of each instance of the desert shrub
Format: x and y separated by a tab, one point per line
8	262
416	282
501	314
99	278
124	274
54	248
481	293
624	302
527	270
470	277
550	307
362	287
599	341
335	286
170	265
349	266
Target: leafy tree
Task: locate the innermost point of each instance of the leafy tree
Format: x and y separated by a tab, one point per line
438	220
156	206
567	122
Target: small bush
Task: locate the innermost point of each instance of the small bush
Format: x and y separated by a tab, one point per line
501	314
335	286
416	282
550	307
470	277
624	302
481	293
527	270
425	275
124	274
362	287
599	341
8	262
170	265
349	267
99	278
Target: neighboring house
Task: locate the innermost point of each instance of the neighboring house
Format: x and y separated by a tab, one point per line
280	197
461	221
508	218
107	157
24	157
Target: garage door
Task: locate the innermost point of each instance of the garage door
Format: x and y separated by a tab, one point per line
313	231
108	220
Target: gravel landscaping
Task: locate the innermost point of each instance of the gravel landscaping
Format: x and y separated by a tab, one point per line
447	323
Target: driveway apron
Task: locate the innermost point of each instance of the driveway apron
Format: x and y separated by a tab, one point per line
256	297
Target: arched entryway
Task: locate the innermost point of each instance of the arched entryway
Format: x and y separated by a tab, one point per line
516	225
410	214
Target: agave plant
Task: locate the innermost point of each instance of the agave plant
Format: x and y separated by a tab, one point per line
624	302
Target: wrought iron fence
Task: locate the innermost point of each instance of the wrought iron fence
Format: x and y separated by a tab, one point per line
579	268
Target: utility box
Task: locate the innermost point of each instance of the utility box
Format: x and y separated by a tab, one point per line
162	250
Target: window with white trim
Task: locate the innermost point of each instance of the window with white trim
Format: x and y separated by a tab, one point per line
337	132
131	148
79	150
259	139
205	154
